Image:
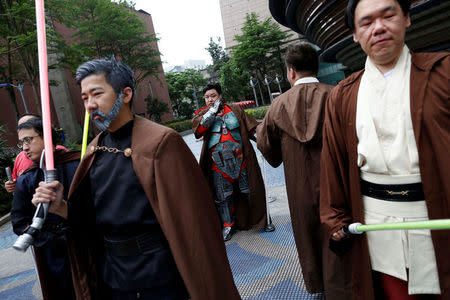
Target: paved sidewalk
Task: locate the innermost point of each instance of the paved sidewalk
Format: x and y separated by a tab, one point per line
264	264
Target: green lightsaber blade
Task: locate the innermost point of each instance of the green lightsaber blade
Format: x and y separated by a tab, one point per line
442	224
85	134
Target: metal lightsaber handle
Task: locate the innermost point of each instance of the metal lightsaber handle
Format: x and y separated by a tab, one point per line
352	228
27	238
8	173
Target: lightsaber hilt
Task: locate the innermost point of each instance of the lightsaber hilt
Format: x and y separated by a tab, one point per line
8	173
352	228
27	238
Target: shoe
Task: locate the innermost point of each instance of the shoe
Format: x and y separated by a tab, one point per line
227	232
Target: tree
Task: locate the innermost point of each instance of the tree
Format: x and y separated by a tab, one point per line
181	87
18	45
186	109
156	108
234	81
103	28
218	55
260	46
7	155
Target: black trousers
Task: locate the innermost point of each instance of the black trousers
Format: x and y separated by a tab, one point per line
157	293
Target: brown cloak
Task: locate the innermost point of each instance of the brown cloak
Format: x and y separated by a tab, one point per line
173	183
340	193
248	215
291	132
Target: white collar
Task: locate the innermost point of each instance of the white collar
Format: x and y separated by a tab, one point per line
306	80
388	74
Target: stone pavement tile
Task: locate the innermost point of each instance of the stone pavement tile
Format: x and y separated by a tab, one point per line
265	265
7	237
22	292
13	261
277	198
18	279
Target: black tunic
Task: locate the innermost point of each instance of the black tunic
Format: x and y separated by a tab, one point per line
123	212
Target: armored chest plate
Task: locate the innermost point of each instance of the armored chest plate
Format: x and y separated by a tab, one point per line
223	125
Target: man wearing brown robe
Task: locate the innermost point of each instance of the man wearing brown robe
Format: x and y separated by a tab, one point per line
229	162
137	204
291	133
366	173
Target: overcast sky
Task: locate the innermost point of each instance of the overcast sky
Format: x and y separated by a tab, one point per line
184	28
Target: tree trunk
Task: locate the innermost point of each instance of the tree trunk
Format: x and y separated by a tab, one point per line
62	100
9	79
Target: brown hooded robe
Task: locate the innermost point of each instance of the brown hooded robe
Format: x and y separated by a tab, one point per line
291	133
340	194
248	215
173	183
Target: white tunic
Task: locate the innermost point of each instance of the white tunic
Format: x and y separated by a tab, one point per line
387	154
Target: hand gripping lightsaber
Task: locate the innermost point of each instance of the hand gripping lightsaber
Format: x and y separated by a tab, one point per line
26	239
358	228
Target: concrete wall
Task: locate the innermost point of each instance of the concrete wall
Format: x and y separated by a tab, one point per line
233	17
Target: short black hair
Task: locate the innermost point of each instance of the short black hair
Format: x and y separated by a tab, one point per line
36	125
303	58
351	6
36	116
30	116
117	74
212	86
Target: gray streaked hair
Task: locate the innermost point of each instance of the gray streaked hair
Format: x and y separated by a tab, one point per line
117	74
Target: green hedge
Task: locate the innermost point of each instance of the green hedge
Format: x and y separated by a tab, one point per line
174	120
258	113
180	125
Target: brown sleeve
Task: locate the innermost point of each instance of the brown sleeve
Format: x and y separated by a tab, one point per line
190	223
334	189
269	140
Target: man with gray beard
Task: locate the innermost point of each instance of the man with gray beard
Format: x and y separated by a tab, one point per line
136	204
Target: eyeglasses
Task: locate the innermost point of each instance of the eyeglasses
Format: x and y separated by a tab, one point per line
25	141
212	96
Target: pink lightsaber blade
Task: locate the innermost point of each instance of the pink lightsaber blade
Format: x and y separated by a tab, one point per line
27	238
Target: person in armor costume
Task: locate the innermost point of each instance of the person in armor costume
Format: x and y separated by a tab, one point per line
136	204
225	163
